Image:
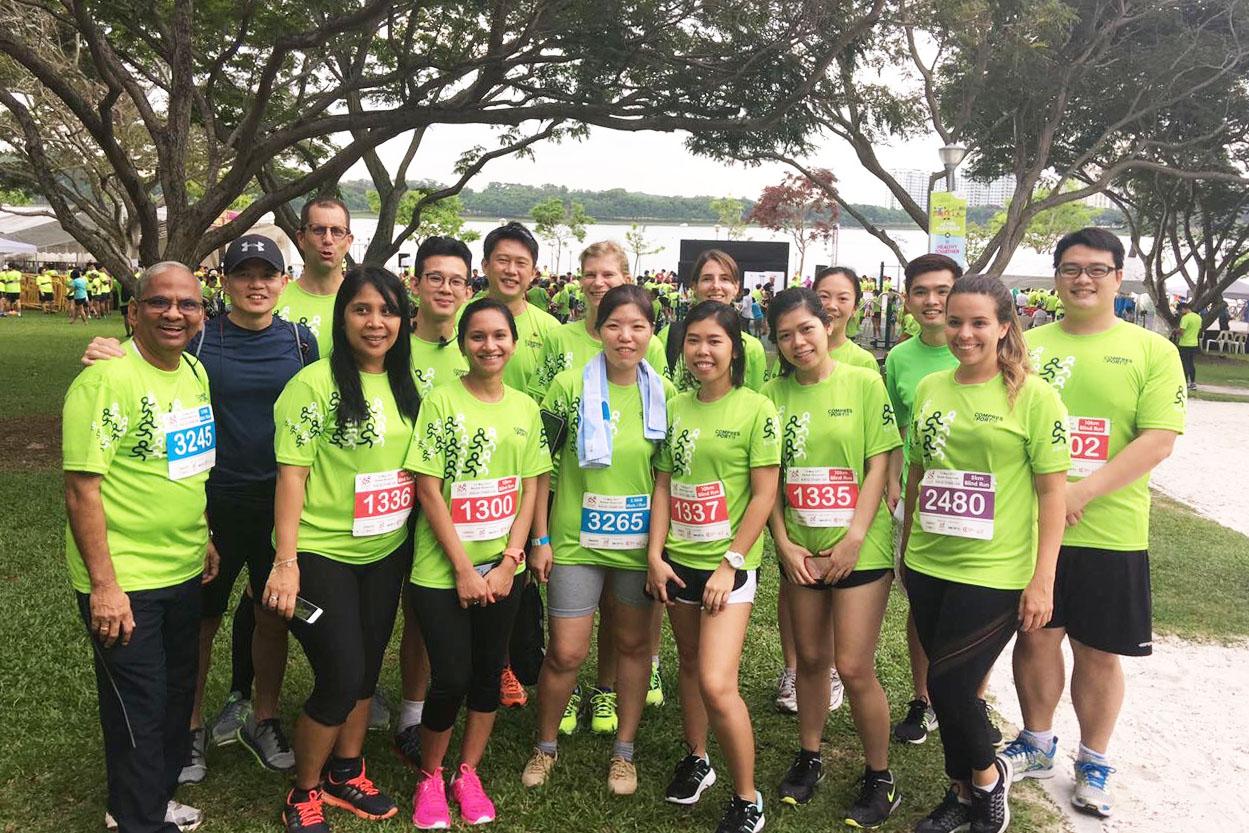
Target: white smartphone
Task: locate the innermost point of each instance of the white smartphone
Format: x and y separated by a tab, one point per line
306	611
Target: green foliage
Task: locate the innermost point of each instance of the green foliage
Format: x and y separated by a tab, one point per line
441	217
636	242
1043	231
558	223
730	214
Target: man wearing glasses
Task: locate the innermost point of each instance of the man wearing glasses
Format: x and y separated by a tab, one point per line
324	238
139	438
1124	390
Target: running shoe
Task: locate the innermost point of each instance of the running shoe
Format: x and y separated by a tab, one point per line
538	770
186	817
995	734
603	719
379	711
798	785
742	816
787	692
655	693
358	795
622	777
878	798
408	746
836	691
691	777
195	770
266	740
1028	761
951	816
475	806
429	804
920	720
306	815
990	811
1092	792
572	711
224	728
511	693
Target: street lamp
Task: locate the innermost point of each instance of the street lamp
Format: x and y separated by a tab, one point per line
951	157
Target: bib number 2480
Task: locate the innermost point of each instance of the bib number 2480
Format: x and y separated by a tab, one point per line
957	503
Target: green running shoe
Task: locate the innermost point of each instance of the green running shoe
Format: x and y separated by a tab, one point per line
568	723
603	712
655	693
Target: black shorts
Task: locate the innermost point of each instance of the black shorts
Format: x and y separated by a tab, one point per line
745	583
241	522
13	297
1102	598
45	297
857	578
82	302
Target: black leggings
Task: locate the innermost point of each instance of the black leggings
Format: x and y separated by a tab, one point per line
963	629
467	649
346	644
1188	358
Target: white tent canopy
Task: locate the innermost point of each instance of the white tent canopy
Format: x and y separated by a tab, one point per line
16	247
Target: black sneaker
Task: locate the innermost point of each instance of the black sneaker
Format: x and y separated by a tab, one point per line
358	795
919	721
995	734
990	811
304	812
951	816
692	775
408	746
742	816
798	785
878	798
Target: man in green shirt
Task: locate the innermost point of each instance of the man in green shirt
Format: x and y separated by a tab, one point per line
44	281
1124	391
1189	333
324	238
13	290
139	438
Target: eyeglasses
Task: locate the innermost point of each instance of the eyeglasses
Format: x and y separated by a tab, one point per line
159	303
437	279
317	230
1072	271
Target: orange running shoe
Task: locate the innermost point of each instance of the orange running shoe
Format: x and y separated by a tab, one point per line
512	694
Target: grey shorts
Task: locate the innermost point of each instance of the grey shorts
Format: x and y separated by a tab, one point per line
573	590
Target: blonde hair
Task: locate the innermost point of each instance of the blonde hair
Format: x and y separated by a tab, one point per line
607	248
1012	351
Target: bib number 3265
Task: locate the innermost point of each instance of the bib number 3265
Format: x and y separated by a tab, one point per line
190	441
700	512
482	510
958	503
383	502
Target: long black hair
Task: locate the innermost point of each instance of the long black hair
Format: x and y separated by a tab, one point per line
786	301
619	296
398	362
726	317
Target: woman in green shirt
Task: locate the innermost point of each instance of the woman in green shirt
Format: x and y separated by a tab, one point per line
714	487
833	536
985	512
343	427
839	293
615	410
477	455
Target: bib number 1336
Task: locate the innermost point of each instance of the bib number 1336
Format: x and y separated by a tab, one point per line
383	502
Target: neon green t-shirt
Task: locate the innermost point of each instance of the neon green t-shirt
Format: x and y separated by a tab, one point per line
357	498
905	365
975	519
910	325
756	364
482	451
602	516
537	295
1050	302
570	346
316	312
710	449
1115	384
44	282
117	423
1190	329
434	365
854	355
828	430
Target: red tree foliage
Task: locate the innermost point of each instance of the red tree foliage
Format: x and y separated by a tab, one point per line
801	207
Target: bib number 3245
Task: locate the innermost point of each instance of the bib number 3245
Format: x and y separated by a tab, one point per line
190	441
958	503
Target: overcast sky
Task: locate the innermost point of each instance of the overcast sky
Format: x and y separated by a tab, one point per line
654	163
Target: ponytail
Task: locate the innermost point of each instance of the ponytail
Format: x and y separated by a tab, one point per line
1012	352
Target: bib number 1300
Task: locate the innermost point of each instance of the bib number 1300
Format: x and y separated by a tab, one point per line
482	510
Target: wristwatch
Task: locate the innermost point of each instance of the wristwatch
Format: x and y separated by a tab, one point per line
736	559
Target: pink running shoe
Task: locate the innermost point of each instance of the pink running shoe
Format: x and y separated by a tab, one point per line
429	804
475	806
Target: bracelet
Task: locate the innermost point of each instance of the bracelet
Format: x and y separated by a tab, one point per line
538	542
516	554
284	563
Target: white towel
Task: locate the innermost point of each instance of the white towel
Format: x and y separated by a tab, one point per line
594	437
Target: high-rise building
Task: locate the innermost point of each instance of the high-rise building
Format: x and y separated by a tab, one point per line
994	192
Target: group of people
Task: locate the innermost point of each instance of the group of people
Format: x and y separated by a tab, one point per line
359	457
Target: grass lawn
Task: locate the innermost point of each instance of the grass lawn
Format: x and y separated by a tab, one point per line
1223	369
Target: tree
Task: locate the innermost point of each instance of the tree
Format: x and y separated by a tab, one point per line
1044	231
801	206
284	98
428	218
729	213
636	242
557	224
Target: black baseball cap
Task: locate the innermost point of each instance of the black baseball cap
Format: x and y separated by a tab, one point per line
253	247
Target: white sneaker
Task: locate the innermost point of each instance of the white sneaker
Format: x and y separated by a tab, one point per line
185	816
787	692
836	691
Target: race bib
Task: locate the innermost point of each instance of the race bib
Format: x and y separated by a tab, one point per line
958	503
821	497
383	502
615	522
190	441
700	512
1090	444
483	510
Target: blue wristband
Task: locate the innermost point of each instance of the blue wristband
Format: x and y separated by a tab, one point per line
537	542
